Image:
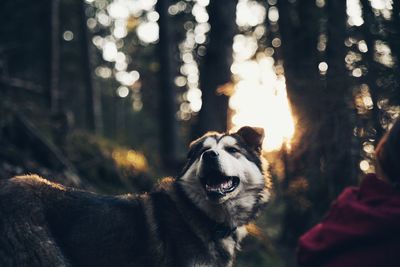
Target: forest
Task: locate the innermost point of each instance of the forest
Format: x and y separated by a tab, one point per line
106	95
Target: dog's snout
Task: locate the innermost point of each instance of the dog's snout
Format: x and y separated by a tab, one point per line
210	155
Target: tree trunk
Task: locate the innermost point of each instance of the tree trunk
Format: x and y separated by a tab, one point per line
323	145
338	125
299	30
169	128
394	38
93	95
373	71
215	67
54	85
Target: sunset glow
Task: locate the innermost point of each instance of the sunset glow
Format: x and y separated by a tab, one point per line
260	100
259	97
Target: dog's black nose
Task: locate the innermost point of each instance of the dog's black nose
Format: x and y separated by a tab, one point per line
210	155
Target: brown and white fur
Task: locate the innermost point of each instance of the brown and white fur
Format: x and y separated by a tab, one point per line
196	220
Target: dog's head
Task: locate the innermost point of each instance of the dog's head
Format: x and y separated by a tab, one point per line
224	174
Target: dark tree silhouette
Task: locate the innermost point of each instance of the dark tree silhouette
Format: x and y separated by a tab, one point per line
55	95
168	97
93	105
322	100
215	67
299	30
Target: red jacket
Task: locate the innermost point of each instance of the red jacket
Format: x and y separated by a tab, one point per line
362	229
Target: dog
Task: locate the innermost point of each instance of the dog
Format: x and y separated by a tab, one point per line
197	219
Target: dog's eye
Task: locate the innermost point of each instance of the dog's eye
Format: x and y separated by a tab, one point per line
232	149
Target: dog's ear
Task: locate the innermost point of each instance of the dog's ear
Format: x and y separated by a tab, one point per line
193	147
252	136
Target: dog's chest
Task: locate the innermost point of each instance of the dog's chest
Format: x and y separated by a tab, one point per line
229	245
220	253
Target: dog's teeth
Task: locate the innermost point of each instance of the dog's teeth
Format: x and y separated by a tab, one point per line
212	188
219	187
227	184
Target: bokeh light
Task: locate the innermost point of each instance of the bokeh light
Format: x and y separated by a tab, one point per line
354	13
68	36
260	100
259	97
122	91
111	22
148	32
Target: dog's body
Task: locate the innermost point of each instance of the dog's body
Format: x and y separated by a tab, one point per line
196	220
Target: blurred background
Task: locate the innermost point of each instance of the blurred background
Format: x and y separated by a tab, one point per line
106	95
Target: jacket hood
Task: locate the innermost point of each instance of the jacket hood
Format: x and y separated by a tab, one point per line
362	226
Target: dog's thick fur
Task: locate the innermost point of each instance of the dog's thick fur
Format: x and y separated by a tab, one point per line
196	220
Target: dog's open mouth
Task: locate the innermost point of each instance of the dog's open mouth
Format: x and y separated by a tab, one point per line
217	185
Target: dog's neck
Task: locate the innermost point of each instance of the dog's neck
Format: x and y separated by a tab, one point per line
219	229
217	224
232	213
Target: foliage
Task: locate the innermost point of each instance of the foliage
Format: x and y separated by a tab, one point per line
108	166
